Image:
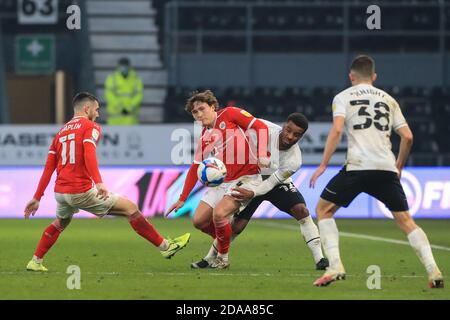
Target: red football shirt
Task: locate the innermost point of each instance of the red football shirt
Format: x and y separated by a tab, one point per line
228	140
69	148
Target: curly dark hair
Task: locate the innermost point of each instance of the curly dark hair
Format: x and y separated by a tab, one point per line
299	120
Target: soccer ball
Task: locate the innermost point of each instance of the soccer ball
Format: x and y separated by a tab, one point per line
211	172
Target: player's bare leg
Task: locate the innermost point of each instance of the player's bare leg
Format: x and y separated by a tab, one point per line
48	239
419	241
167	247
202	219
310	234
330	240
221	217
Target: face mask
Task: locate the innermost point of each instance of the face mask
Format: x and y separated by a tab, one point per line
124	71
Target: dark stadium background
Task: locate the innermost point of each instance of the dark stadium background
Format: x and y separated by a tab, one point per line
271	58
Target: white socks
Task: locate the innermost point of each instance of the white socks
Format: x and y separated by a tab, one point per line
224	256
307	228
419	241
212	254
312	238
330	239
164	245
37	260
417	238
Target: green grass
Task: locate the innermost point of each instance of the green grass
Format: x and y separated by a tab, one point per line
267	262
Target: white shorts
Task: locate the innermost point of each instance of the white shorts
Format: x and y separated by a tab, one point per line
69	204
213	195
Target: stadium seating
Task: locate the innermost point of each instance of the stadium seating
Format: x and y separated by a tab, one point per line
306	27
295	16
8	6
426	109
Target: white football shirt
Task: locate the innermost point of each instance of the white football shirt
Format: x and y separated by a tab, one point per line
370	115
283	163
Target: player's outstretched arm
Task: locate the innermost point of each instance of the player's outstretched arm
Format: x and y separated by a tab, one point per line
285	171
31	208
189	184
102	192
406	141
176	206
50	166
242	194
334	137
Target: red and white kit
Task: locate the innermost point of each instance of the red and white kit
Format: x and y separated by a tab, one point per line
228	139
73	154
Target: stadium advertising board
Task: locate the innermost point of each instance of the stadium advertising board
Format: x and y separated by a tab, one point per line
137	145
156	188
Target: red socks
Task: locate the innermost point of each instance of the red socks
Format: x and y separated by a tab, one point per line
145	229
137	221
48	238
223	234
209	229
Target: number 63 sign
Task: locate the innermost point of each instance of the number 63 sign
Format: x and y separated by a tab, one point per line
37	11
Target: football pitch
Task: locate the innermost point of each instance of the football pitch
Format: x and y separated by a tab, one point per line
268	261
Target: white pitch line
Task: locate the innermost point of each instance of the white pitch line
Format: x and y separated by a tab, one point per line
274	224
356	235
204	273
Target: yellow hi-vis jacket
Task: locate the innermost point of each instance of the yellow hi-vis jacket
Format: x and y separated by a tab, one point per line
123	98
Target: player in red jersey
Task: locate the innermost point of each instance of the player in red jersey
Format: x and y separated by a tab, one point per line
79	184
225	135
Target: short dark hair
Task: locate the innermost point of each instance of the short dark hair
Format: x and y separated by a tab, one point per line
124	61
363	65
82	97
206	96
299	120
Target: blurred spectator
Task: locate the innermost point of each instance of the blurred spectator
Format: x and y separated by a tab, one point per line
123	93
